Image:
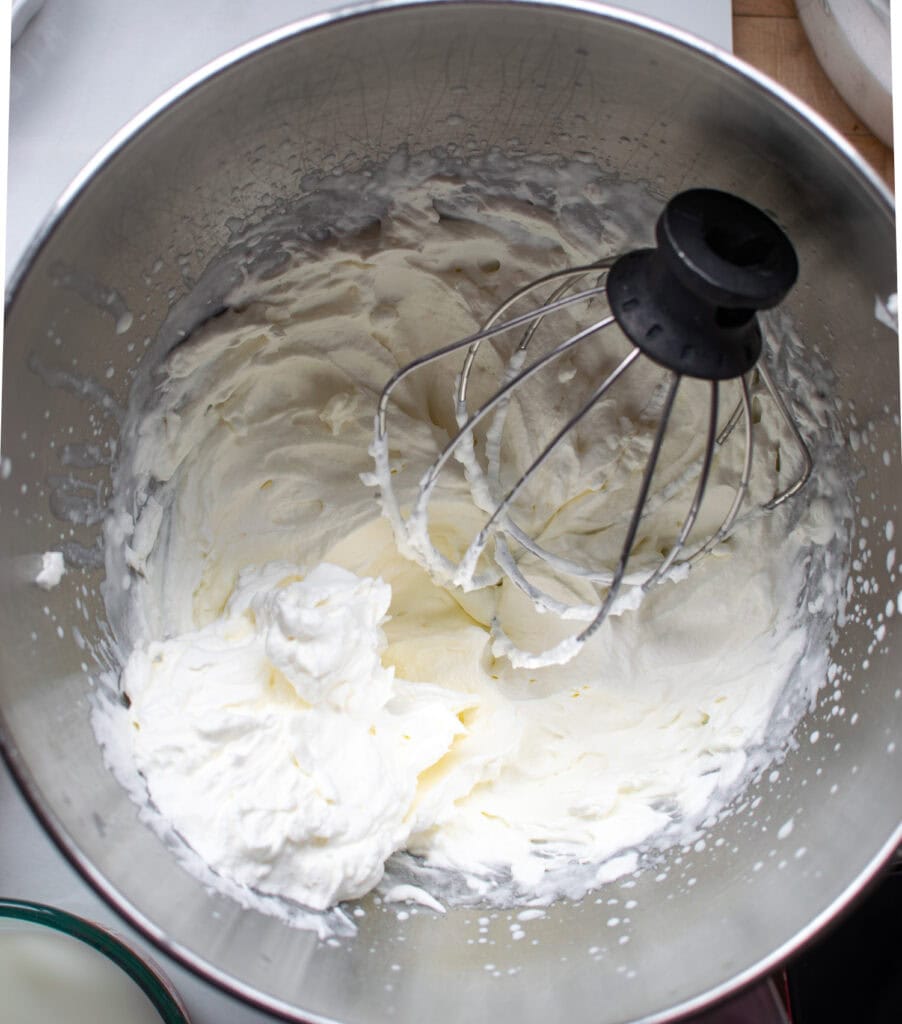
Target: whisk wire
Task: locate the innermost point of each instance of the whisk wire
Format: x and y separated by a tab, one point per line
636	516
534	318
741	488
569	279
478	337
417	539
563	651
499	513
789	421
700	488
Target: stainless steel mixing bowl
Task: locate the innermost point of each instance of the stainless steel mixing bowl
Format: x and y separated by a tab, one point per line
131	238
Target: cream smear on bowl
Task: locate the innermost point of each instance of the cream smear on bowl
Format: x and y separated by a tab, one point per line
305	705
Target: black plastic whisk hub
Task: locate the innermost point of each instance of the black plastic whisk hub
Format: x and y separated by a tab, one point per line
690	303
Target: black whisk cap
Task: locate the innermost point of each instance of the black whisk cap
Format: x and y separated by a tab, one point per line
690	303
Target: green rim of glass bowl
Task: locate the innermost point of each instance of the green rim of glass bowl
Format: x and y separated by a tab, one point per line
147	979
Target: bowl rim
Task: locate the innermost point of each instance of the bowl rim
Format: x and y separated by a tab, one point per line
141	969
358	9
363	8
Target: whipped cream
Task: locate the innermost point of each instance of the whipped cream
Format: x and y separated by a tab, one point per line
53	568
309	706
276	740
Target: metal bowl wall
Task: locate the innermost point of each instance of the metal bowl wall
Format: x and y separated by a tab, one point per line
139	228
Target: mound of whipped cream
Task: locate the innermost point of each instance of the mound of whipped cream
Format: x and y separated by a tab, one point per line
307	705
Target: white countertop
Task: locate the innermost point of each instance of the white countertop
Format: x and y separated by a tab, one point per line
79	72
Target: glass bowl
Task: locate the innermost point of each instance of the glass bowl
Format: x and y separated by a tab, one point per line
139	986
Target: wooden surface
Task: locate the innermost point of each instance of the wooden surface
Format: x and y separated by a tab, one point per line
769	35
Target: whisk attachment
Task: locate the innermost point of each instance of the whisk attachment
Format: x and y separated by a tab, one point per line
689	305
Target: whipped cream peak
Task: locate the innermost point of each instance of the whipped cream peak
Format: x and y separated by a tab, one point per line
274	738
323	633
